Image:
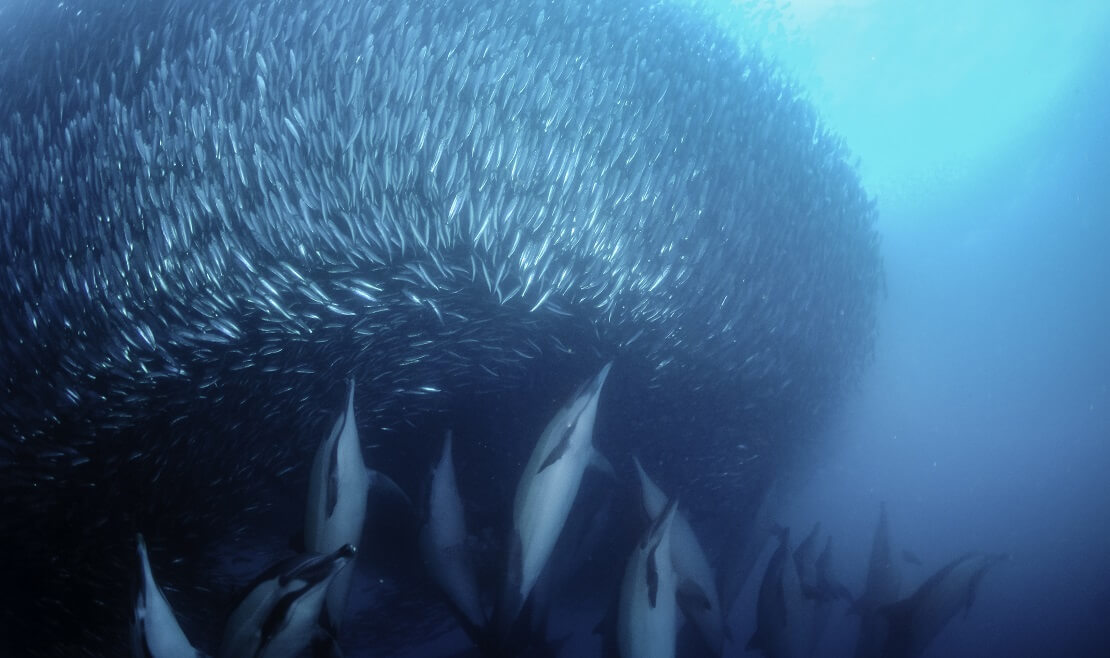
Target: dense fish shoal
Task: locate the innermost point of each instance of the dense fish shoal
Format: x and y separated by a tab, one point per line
213	214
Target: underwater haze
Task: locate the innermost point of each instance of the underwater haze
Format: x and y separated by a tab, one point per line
984	422
554	328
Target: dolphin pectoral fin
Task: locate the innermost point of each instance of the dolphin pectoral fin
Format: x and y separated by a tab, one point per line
380	483
599	462
692	598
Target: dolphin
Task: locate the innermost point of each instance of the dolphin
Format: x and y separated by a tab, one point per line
783	614
155	632
586	526
546	492
883	577
914	622
443	544
750	536
697	589
805	560
826	592
647	621
880	588
337	497
279	615
829	588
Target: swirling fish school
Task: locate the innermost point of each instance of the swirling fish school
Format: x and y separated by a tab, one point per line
210	211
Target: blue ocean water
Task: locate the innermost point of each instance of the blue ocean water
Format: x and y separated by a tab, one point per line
983	422
205	236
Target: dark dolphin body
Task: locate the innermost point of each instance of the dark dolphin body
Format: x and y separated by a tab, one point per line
213	213
914	622
881	588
